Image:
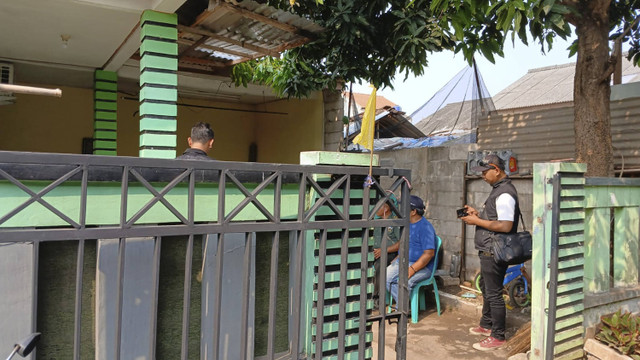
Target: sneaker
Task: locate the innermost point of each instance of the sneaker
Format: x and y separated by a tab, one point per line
479	330
489	343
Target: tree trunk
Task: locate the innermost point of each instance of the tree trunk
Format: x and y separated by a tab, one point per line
592	90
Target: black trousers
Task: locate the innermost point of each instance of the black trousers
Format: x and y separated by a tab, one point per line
494	313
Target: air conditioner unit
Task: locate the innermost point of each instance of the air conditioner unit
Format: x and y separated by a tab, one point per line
6	77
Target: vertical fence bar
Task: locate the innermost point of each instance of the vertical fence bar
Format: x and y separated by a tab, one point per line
553	264
120	291
273	292
364	265
186	304
34	290
246	281
342	315
78	301
297	292
217	301
191	197
154	304
403	253
322	260
80	265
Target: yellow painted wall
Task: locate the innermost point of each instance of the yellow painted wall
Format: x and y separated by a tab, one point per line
282	137
233	130
57	125
47	124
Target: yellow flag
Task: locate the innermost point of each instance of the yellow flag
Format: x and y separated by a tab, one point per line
365	138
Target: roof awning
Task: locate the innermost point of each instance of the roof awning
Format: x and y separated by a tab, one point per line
228	33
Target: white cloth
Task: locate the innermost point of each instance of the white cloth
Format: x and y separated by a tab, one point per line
506	207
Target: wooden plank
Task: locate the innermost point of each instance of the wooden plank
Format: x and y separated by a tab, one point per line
569	310
353	274
572	239
603	196
596	265
569	345
625	247
576	354
571	215
572	180
351	258
571	204
335	309
570	251
337	243
571	192
569	333
570	322
568	275
565	264
349	340
578	284
566	299
334	292
571	227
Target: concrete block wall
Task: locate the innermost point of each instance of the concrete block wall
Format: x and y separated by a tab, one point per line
438	177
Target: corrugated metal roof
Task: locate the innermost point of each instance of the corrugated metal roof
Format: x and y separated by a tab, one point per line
549	85
230	32
389	123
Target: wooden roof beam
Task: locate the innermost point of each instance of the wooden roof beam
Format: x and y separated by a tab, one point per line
215	36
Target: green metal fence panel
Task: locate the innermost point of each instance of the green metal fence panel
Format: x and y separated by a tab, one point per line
625	246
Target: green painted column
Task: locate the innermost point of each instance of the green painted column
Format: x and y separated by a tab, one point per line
333	257
158	84
105	97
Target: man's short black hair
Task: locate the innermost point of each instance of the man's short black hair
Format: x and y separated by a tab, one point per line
201	133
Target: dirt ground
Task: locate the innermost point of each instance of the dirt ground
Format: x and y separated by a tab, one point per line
447	336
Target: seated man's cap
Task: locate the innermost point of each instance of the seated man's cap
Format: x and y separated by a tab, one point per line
416	202
484	164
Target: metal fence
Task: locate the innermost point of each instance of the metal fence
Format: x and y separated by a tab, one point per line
199	207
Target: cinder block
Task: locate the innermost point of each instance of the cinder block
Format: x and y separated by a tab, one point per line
166	140
111	135
461	151
106	105
163	94
106	75
106	95
156	31
157	16
158	109
110	125
158	62
104	144
162	47
160	78
158	154
104	85
105	115
158	124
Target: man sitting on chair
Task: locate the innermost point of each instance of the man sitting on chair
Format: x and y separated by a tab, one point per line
422	248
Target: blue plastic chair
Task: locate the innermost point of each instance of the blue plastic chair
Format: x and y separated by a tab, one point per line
419	296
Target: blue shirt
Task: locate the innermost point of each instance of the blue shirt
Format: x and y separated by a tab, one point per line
422	237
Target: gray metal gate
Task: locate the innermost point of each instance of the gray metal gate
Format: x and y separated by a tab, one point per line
209	219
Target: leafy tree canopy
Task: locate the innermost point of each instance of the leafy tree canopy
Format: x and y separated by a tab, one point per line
372	40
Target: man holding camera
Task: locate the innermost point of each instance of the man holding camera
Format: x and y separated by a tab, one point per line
499	215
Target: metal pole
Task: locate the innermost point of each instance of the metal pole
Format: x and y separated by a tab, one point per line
30	90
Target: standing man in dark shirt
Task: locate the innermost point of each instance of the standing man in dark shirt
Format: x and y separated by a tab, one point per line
499	215
200	142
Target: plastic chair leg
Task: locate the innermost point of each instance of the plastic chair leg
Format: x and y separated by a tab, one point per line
415	295
437	296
